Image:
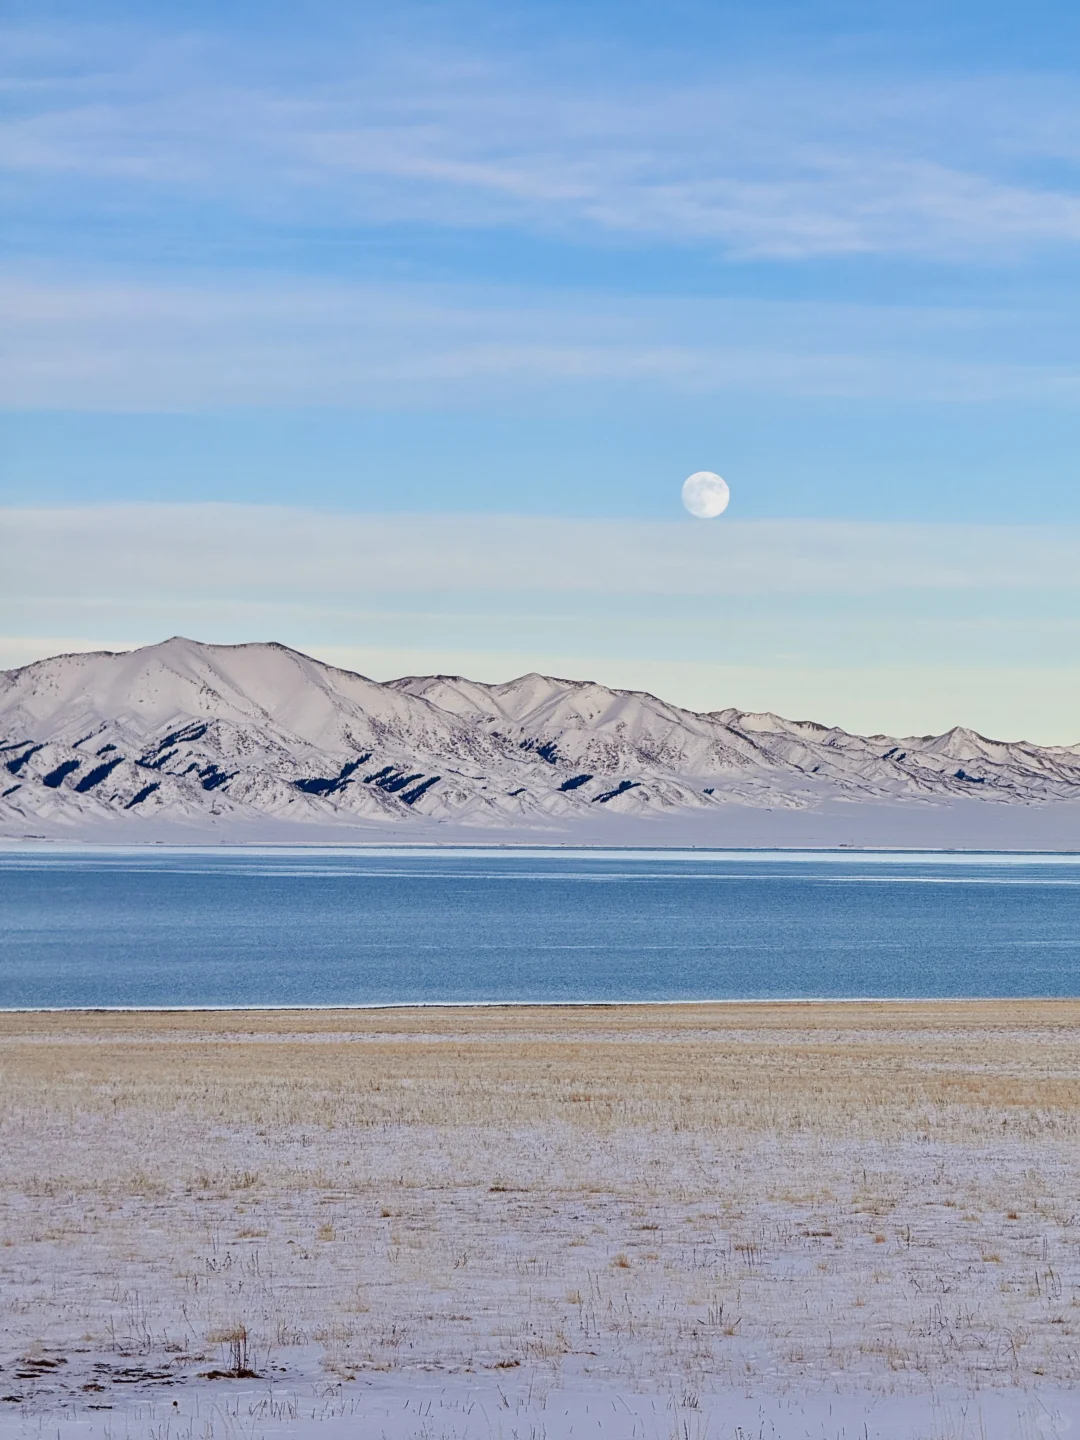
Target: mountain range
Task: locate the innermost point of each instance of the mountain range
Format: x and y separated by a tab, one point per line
258	741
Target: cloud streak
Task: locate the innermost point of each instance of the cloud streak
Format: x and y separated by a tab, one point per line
91	344
775	163
292	554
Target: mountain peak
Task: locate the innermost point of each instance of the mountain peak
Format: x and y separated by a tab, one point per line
224	735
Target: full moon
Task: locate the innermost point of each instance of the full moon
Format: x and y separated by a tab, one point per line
705	495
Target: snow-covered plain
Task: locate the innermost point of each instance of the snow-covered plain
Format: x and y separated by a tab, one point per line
259	742
704	1222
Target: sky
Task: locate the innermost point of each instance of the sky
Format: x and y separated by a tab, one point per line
390	332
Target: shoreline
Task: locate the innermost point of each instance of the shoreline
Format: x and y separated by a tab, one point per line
623	1018
569	849
618	1006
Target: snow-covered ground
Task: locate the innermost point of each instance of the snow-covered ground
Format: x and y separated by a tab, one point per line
423	1407
256	742
725	1221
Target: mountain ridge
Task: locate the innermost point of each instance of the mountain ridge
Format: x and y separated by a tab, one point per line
218	737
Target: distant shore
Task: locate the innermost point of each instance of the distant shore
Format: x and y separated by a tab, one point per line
956	824
482	845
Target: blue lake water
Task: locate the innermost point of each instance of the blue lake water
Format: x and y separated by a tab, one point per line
226	927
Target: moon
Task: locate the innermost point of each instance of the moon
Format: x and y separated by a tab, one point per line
705	495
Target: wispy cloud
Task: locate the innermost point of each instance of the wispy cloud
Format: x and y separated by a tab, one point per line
92	344
777	163
301	555
128	127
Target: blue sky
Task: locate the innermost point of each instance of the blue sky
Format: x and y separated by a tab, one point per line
542	260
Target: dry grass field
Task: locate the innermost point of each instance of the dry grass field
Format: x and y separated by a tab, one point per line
871	1198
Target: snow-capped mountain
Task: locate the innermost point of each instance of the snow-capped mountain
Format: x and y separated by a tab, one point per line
222	736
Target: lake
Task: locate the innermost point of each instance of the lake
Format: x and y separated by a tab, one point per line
322	926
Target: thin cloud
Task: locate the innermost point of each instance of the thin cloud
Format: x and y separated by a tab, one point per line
774	164
239	550
98	345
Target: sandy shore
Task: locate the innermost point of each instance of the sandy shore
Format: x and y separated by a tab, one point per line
707	1219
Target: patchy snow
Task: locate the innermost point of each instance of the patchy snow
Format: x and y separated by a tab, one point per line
735	1222
253	741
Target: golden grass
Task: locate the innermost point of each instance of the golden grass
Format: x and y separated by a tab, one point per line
864	1194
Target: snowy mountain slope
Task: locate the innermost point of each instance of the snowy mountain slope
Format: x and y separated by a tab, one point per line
220	736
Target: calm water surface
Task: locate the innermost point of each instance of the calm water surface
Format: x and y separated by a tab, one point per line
334	926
